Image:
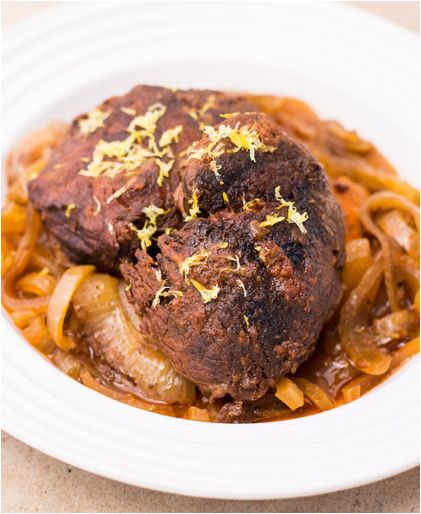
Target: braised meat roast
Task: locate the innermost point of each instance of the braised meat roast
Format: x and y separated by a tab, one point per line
237	297
223	227
112	178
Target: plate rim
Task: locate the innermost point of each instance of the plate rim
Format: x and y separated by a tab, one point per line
57	12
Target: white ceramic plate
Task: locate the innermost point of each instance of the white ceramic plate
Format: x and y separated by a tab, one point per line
349	66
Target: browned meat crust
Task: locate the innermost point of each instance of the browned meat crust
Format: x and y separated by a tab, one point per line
237	297
91	216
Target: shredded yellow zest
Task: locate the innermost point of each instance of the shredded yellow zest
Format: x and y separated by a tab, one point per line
225	197
194	260
170	135
272	219
168	230
116	194
69	210
194	209
235	259
97	206
246	319
149	228
249	206
110	228
293	215
241	137
128	110
93	121
112	157
43	272
240	283
207	294
229	114
164	290
164	170
148	120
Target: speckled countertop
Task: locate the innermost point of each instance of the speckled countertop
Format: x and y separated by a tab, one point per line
34	482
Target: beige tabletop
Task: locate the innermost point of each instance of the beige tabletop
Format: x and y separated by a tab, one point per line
34	482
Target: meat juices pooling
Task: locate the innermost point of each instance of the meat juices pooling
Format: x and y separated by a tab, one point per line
224	228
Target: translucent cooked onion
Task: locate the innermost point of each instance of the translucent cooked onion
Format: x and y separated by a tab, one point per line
358	259
385	200
89	381
108	326
60	301
315	394
13	218
396	325
38	283
196	414
20	260
405	352
362	349
38	335
289	393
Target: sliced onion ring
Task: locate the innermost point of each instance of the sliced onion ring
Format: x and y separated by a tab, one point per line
60	300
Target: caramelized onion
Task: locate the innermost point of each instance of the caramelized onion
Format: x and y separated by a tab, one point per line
98	306
60	300
315	394
358	345
20	259
289	393
358	259
89	381
39	283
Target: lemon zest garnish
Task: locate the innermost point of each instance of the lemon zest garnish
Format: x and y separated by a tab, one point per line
194	209
249	206
170	135
149	228
129	111
43	272
225	197
97	205
128	287
112	157
207	294
110	228
293	215
116	194
196	259
93	121
148	120
164	290
246	319
229	114
164	169
240	283
69	210
272	219
235	259
168	230
241	137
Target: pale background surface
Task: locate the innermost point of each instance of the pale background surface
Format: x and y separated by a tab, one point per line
34	482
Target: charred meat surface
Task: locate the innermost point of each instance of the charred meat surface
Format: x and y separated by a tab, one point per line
237	297
109	186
